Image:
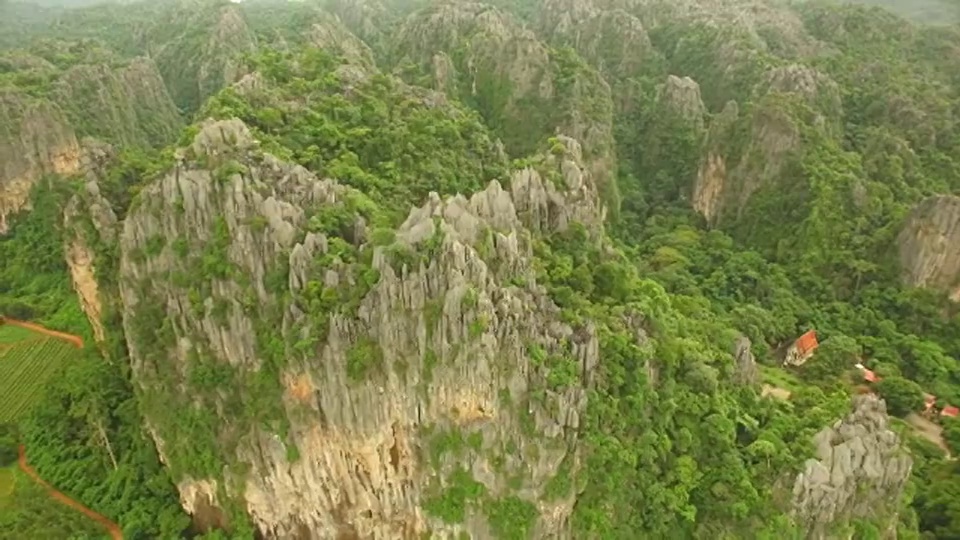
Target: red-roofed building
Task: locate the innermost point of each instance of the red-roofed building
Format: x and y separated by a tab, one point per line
870	376
802	349
950	411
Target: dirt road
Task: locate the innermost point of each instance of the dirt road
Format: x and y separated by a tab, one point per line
111	527
76	341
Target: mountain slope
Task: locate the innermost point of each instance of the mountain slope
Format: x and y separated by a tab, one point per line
458	270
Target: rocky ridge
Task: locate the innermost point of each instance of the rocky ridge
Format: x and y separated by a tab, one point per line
747	151
860	467
128	106
506	72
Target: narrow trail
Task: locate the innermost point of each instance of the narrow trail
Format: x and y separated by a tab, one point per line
76	341
111	527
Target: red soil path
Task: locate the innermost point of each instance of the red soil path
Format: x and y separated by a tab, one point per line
76	341
111	527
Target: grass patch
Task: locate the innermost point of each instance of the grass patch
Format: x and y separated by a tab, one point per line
10	334
775	376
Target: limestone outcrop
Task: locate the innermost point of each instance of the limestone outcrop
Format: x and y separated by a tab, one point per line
431	376
859	471
90	222
613	40
928	245
205	54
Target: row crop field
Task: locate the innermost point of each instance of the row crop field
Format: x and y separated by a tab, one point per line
25	368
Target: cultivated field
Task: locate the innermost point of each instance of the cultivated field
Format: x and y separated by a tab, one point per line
27	362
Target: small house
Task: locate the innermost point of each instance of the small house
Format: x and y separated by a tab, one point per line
950	411
868	374
802	349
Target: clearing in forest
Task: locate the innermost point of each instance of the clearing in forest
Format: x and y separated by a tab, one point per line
778	383
928	430
26	365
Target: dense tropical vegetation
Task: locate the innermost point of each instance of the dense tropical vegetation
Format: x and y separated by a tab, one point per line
682	450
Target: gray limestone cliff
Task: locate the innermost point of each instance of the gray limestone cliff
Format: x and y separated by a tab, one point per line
747	372
378	379
125	103
860	470
35	139
928	245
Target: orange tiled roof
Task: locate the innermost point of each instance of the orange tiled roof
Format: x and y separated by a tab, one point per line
950	411
807	342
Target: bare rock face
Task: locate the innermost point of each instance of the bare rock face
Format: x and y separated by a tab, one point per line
35	139
89	221
747	373
928	245
355	415
710	187
674	133
760	24
817	89
859	472
365	18
501	53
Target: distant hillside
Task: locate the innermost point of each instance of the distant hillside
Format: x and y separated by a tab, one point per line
924	11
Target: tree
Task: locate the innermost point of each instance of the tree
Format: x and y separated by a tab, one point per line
902	395
951	434
8	445
833	357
